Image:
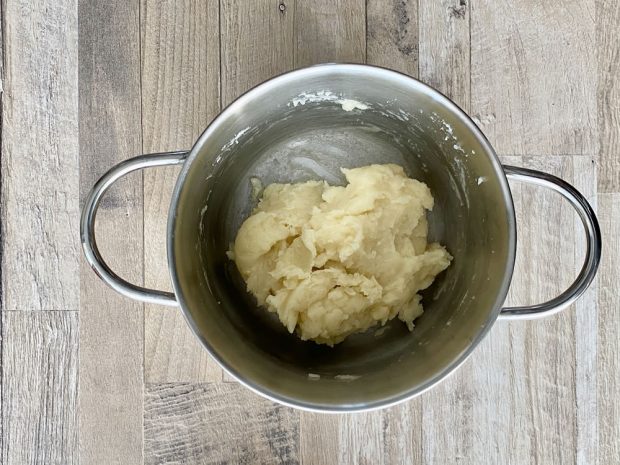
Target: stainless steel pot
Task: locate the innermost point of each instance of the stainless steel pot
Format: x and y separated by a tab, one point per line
306	124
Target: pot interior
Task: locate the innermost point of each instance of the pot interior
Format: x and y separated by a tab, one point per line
296	128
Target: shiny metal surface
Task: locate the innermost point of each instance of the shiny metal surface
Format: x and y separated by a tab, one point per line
594	245
307	124
294	128
89	216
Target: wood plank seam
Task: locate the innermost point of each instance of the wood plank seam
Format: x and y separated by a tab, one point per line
2	207
466	3
39	155
220	46
2	201
39	393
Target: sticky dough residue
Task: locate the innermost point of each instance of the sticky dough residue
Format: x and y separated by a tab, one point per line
327	96
332	261
350	105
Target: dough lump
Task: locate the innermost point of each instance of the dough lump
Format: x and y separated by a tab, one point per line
332	260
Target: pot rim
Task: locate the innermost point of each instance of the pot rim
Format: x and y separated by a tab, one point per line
379	72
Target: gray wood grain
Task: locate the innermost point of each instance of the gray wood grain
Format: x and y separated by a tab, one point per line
608	359
39	388
172	351
1	212
402	433
446	419
392	34
330	31
319	438
1	57
180	96
361	439
111	331
533	84
608	93
551	359
39	167
444	47
543	352
537	392
586	327
391	436
256	43
217	423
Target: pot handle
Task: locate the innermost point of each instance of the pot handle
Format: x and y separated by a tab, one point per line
87	227
593	244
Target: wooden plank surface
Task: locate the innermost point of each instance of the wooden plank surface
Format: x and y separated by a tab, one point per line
180	96
256	43
586	327
392	35
543	352
1	214
319	438
152	74
111	326
609	332
217	423
40	183
608	95
608	361
329	31
39	211
533	82
444	47
39	388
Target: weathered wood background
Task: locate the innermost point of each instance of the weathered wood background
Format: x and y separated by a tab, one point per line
89	377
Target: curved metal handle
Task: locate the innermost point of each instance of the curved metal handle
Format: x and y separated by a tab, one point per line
593	244
87	227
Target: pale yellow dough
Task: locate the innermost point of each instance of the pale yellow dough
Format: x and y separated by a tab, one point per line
332	261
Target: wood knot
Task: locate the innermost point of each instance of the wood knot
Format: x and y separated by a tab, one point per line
459	11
